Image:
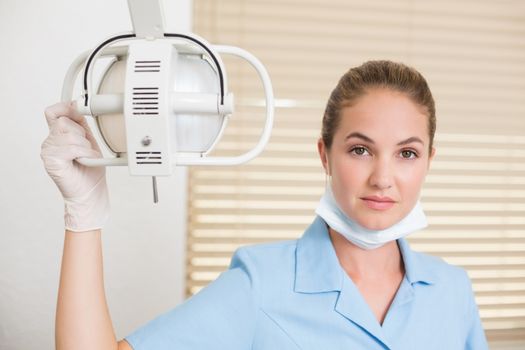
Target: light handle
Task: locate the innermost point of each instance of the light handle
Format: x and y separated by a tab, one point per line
180	103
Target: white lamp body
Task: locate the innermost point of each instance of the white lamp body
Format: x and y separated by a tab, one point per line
190	74
164	100
146	107
197	107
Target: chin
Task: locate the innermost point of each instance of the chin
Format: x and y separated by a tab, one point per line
377	223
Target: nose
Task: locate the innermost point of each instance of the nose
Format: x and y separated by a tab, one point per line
381	176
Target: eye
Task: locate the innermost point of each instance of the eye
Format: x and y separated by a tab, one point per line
408	154
359	151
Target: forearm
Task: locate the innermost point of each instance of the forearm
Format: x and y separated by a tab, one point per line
83	320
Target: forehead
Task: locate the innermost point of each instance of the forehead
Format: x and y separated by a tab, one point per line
384	115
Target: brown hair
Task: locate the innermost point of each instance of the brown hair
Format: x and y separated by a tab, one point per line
377	74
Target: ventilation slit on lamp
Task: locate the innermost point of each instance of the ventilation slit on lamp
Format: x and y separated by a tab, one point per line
163	100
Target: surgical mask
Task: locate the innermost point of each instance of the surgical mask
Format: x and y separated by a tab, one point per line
329	210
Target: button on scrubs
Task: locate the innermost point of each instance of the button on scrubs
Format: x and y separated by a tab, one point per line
295	295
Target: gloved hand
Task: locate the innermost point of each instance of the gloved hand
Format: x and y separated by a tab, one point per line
84	188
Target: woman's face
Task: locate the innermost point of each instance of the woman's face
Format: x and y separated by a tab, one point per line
379	158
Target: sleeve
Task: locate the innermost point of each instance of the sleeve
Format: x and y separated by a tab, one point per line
475	334
221	316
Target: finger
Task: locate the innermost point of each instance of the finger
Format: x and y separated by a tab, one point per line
84	152
63	109
75	115
64	125
70	139
55	111
89	136
52	154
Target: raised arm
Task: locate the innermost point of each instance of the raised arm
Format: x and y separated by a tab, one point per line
82	320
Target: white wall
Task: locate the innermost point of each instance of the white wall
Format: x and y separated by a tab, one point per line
143	243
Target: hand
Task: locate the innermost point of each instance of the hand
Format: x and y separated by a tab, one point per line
84	188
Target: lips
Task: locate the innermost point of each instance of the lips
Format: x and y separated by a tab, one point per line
378	203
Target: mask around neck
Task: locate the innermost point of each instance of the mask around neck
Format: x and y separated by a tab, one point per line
331	213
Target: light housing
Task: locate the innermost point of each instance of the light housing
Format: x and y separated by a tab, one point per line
163	100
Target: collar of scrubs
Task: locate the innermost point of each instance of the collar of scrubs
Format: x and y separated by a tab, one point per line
318	271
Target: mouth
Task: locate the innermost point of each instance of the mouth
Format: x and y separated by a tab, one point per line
378	203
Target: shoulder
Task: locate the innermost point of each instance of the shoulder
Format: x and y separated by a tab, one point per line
445	282
441	270
265	255
269	266
430	269
446	294
448	281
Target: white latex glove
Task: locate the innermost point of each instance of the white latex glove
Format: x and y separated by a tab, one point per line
83	188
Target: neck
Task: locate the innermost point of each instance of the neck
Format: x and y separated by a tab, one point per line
362	264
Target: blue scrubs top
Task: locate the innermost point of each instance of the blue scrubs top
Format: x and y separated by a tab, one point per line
295	295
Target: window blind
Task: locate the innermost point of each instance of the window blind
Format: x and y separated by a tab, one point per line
473	56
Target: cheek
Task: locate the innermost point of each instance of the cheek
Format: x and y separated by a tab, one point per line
350	174
410	180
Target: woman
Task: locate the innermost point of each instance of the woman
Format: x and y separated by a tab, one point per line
350	282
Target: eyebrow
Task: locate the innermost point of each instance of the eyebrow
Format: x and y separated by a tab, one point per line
369	140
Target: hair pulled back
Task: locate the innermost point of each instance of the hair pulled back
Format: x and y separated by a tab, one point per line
377	74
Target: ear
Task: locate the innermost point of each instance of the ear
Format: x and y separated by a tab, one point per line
323	154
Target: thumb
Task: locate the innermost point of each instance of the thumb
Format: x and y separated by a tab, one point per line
81	120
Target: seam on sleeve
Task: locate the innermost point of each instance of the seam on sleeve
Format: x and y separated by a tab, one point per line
249	266
246	263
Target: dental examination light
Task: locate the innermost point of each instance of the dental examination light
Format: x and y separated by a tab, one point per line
163	99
